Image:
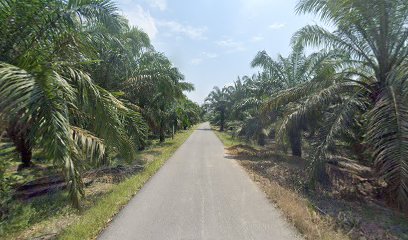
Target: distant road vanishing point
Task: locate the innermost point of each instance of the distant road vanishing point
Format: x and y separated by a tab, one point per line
200	194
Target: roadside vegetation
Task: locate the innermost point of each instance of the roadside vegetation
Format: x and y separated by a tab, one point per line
51	216
82	94
336	118
92	222
316	213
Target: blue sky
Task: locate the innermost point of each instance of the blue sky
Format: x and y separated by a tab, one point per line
212	42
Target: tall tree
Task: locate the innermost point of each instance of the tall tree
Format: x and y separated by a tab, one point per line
247	96
46	98
218	102
369	89
286	73
155	86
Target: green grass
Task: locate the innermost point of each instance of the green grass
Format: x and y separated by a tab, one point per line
94	220
228	140
23	215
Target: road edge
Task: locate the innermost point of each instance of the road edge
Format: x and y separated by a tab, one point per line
309	223
95	220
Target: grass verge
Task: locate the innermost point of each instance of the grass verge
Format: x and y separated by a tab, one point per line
227	139
94	220
297	209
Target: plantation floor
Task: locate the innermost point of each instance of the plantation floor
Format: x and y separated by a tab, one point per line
200	194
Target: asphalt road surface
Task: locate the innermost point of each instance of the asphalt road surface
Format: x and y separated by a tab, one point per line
200	194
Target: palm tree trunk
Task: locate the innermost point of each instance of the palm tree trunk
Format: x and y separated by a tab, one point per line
173	131
26	155
261	139
23	146
162	136
222	120
175	126
295	140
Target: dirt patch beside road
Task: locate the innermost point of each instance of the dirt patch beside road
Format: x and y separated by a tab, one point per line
283	179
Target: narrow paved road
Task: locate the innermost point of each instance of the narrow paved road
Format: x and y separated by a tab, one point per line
199	194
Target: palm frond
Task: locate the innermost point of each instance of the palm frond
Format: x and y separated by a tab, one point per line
388	136
313	106
52	130
296	93
16	89
92	146
100	104
93	11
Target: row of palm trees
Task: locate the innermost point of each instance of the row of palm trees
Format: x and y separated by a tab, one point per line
81	85
347	100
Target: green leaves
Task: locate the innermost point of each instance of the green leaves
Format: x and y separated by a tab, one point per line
388	136
41	102
373	34
16	89
158	88
93	12
44	88
59	63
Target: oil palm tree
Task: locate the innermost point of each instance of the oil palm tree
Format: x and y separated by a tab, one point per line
183	114
156	85
118	53
46	98
369	90
247	97
286	73
218	103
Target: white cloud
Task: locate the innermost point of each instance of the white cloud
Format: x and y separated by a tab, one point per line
276	26
160	4
257	38
189	31
203	56
141	18
231	45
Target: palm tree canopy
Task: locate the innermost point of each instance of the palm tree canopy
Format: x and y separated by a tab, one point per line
63	82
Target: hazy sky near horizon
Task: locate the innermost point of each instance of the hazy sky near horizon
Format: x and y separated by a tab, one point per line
212	42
